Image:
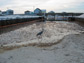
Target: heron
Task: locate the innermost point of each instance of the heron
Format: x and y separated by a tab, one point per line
39	35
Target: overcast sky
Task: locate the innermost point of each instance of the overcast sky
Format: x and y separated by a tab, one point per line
19	6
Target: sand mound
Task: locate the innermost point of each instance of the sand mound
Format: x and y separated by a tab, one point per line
53	32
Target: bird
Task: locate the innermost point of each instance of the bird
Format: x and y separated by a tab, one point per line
39	36
40	33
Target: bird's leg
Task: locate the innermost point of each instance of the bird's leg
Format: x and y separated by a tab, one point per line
40	40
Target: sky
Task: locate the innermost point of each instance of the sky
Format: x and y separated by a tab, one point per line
19	6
